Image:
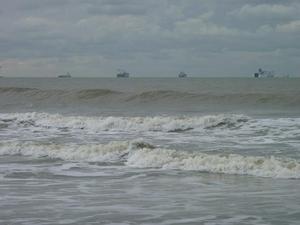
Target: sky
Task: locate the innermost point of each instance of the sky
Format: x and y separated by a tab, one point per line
94	38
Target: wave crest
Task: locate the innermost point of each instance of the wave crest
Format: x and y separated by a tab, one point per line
215	163
155	123
144	155
151	96
16	89
94	93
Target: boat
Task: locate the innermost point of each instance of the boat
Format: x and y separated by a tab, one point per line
182	75
264	73
122	74
68	75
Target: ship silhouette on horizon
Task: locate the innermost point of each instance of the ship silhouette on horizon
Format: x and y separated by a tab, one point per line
122	74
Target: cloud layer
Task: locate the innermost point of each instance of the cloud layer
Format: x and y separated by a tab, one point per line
149	38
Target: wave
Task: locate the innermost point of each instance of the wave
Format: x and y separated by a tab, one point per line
140	154
79	96
110	123
94	93
16	89
160	94
35	92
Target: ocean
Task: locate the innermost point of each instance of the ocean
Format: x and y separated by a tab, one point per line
211	151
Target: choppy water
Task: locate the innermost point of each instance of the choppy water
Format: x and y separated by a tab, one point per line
149	151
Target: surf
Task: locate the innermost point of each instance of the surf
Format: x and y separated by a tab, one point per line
141	154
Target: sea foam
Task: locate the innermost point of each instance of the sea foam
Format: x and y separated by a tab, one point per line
140	154
154	123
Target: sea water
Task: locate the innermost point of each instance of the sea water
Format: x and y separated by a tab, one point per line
149	151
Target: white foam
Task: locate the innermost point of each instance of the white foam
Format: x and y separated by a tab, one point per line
155	123
88	152
215	163
142	155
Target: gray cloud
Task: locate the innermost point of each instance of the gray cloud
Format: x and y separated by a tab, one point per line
149	38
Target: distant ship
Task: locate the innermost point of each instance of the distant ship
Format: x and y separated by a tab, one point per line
182	75
122	74
68	75
264	73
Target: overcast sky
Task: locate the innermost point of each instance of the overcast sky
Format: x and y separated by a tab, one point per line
149	37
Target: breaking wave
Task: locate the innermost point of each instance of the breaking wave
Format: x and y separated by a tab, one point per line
110	123
144	155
